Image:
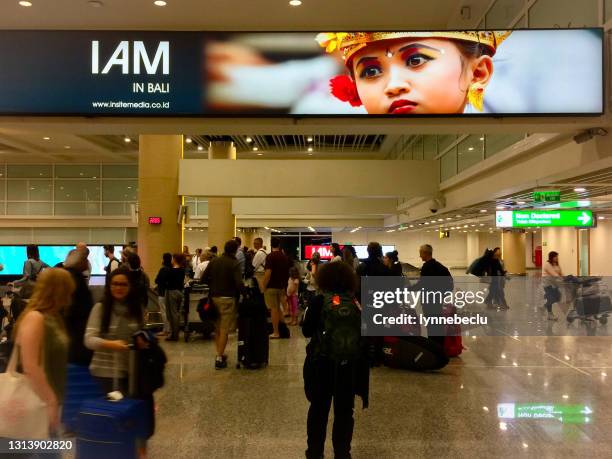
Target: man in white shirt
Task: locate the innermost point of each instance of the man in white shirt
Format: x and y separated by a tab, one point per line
259	261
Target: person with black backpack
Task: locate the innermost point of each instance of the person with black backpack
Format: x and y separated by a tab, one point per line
32	267
337	366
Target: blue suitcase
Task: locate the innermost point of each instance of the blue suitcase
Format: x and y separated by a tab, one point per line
109	429
80	386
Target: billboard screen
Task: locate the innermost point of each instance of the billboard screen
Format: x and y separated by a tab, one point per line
319	73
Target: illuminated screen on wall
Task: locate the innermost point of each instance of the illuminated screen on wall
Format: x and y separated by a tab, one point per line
450	73
12	257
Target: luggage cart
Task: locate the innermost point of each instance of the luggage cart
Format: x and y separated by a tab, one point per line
591	301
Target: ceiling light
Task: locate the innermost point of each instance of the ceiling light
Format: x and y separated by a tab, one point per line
312	229
248	140
521	203
458	216
391	231
127	140
471	149
46	138
309	154
482	211
449	218
309	139
25	3
565	396
295	2
160	3
309	148
355	229
255	148
500	207
200	148
482	138
411	226
580	190
265	227
67	147
427	223
95	3
188	140
601	217
440	219
259	154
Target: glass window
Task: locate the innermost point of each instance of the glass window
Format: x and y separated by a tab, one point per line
29	208
445	141
503	13
470	151
494	143
76	171
120	190
202	207
564	13
417	148
117	208
448	165
77	208
192	207
40	190
107	236
430	150
120	171
17	190
77	190
29	171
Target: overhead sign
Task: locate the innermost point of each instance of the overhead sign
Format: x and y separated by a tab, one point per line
317	73
543	218
547	196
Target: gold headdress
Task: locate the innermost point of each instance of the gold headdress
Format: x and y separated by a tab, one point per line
350	42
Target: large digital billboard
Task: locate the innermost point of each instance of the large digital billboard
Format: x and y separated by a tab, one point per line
388	73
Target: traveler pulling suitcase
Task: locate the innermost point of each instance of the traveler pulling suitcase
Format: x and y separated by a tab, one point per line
413	353
253	341
109	429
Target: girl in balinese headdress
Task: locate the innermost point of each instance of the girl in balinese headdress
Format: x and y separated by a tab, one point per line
414	72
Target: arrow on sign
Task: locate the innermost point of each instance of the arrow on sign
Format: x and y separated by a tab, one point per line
587	410
584	218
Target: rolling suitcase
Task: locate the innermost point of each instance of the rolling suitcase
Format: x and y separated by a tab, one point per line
80	386
109	429
413	353
253	341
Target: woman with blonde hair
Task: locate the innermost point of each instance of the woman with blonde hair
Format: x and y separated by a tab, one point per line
41	340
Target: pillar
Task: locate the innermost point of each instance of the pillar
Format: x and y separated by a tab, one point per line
158	165
472	247
513	251
221	220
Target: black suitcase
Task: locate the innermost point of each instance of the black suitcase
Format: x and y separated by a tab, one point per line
253	340
592	305
415	353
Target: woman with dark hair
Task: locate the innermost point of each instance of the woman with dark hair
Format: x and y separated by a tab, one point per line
32	267
336	252
551	274
349	255
392	262
139	279
109	331
336	366
161	280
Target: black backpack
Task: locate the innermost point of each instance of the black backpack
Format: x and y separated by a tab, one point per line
151	363
249	269
340	329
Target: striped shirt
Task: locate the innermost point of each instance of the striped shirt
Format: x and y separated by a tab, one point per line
106	363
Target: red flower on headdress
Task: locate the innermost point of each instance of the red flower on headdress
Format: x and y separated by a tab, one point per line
343	88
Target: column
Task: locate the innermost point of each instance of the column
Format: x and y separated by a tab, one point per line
158	165
221	220
513	251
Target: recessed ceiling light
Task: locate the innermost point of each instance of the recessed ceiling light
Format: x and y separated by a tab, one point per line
601	218
259	154
67	147
255	148
95	3
482	211
295	2
46	138
25	3
127	140
458	216
248	140
188	140
482	138
309	154
160	3
309	148
500	207
471	149
200	148
521	203
309	139
580	190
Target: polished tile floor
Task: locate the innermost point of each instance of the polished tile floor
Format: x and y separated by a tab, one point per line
561	388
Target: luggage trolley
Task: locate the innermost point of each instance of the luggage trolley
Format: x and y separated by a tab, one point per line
591	300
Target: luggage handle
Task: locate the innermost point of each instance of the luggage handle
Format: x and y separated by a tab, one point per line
131	370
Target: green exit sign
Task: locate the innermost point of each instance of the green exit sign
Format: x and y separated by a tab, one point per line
543	218
547	196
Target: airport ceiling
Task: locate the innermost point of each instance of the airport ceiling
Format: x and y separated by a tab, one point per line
246	15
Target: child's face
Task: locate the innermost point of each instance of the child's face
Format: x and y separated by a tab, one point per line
414	76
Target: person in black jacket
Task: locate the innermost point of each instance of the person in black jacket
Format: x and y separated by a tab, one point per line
497	274
326	380
436	281
392	262
161	280
373	265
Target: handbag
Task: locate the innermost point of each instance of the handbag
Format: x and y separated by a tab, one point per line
23	415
